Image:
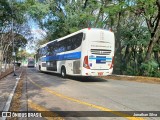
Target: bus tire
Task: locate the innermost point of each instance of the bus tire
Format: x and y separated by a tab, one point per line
63	72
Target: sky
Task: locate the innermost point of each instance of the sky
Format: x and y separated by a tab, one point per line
37	34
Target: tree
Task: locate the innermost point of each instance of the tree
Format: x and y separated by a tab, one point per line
12	25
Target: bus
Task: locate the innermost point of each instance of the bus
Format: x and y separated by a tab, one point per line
31	62
88	52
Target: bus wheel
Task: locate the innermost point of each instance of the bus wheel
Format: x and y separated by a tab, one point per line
63	72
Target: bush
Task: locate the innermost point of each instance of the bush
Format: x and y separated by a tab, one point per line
150	68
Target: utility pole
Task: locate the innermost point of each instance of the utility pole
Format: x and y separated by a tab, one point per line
12	34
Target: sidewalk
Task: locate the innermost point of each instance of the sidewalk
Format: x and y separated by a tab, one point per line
7	72
6	86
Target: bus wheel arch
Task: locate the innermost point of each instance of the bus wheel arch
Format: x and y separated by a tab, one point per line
63	71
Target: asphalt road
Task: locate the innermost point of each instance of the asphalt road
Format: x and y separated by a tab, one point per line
50	92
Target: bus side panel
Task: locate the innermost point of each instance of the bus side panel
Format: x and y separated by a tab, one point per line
43	66
71	62
84	53
72	66
76	67
59	65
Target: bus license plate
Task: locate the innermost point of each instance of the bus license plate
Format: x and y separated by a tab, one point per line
100	73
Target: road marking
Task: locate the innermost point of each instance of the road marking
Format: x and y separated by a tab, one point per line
85	103
41	108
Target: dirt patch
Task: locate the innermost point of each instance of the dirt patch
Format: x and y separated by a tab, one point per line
135	78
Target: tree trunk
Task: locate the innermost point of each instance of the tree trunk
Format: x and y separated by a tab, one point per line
153	40
155	32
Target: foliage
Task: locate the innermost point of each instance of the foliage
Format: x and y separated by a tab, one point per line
23	55
13	26
150	68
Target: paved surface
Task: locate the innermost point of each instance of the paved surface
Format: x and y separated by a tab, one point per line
6	86
49	92
91	94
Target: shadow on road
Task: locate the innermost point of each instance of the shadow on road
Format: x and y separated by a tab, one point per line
86	79
79	78
76	78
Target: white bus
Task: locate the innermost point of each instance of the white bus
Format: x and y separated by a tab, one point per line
31	62
88	52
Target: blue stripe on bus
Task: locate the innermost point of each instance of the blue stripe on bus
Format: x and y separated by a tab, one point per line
69	56
107	59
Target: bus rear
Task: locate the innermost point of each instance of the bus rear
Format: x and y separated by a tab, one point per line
31	63
98	52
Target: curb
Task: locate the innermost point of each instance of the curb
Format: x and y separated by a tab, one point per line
142	79
122	75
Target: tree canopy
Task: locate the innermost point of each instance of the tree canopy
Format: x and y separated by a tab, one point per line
14	29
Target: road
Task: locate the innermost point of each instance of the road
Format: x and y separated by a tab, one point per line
50	92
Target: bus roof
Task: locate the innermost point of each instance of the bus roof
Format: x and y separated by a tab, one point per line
83	30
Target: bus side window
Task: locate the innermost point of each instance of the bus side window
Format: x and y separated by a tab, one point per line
69	44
